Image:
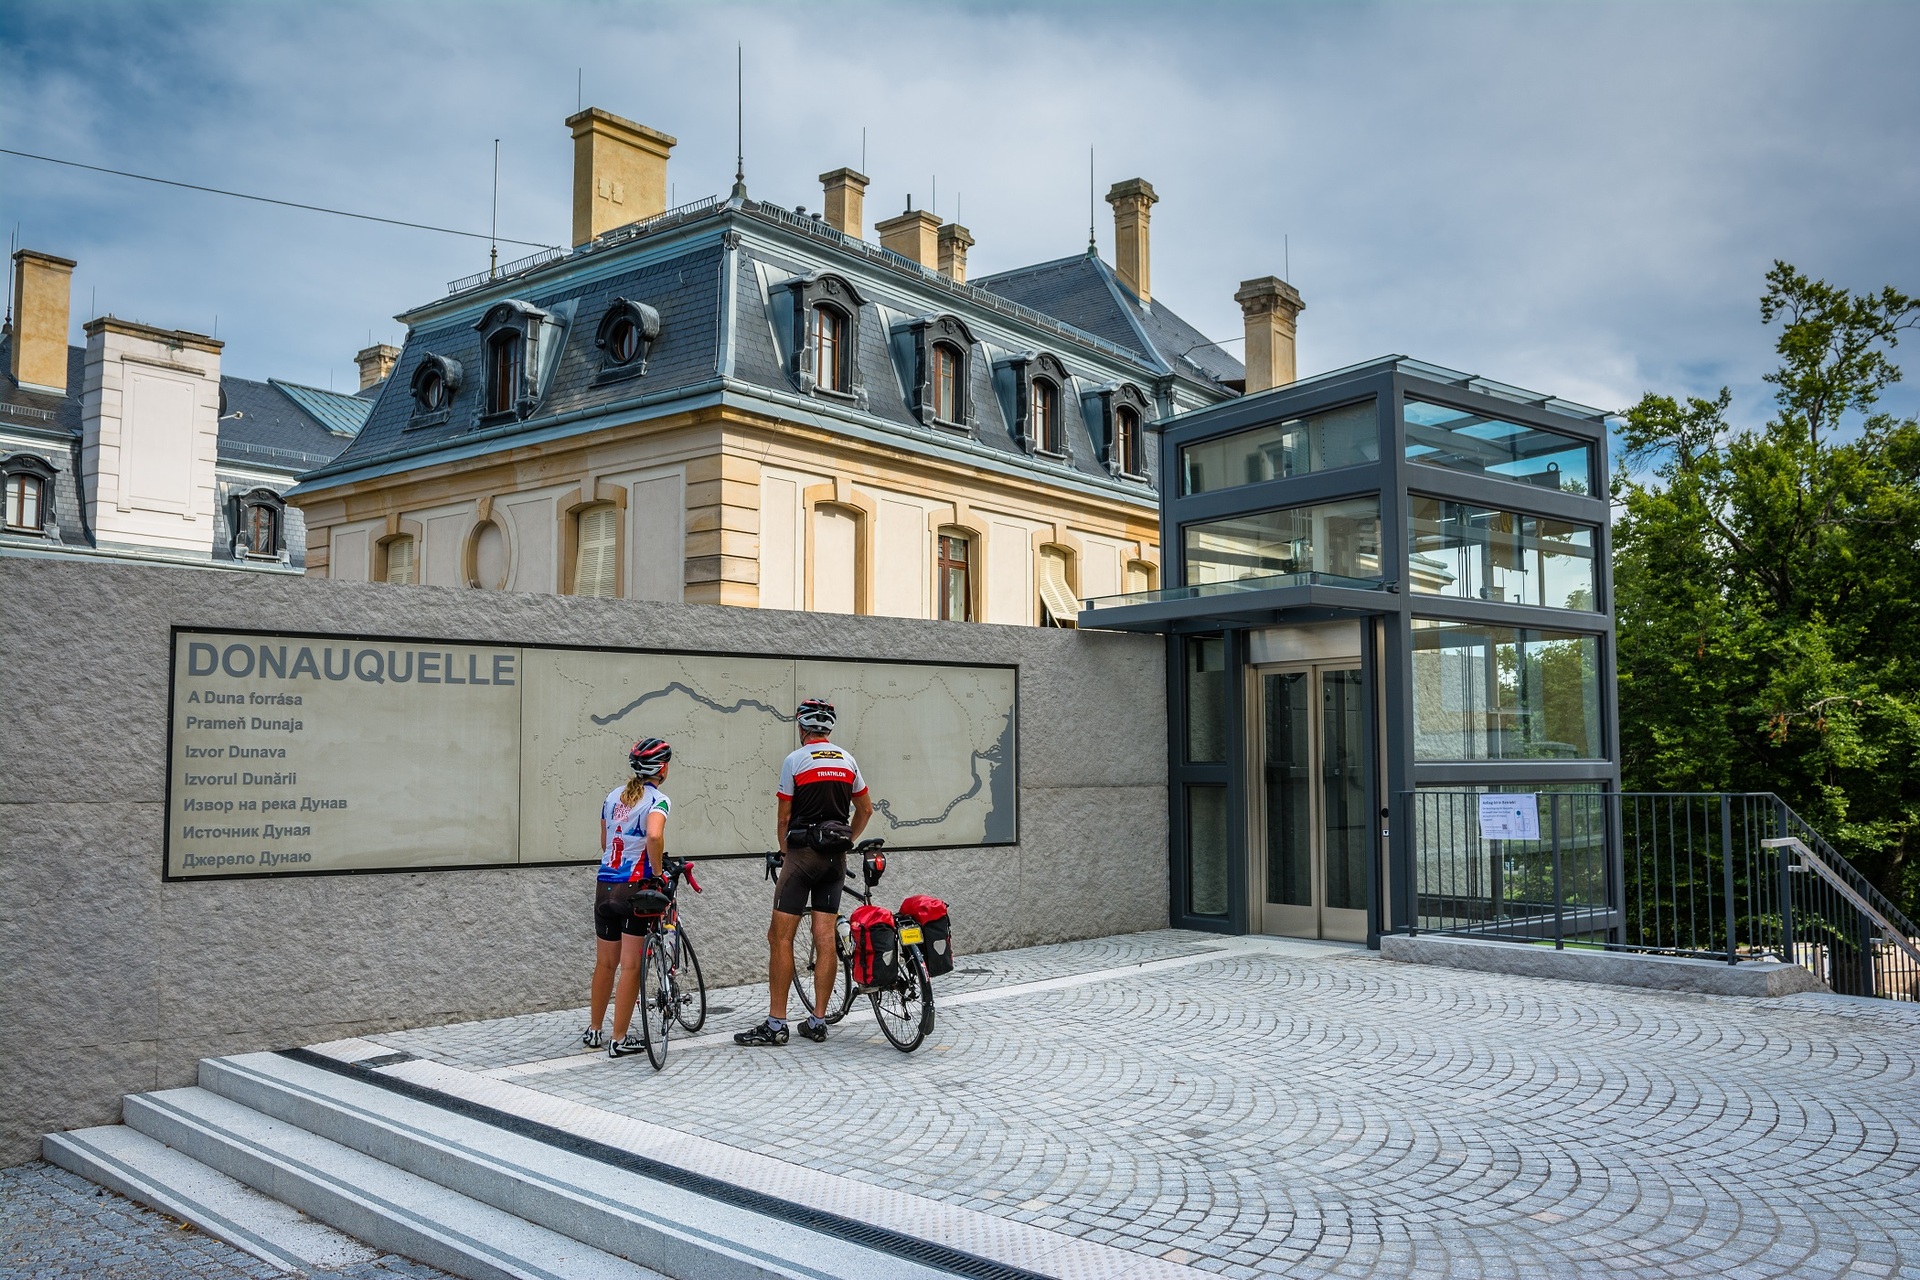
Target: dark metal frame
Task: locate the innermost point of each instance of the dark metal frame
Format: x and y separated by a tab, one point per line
1387	614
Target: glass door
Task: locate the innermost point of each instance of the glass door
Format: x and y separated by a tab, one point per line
1312	829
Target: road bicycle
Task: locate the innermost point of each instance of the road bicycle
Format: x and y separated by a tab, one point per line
904	1008
672	988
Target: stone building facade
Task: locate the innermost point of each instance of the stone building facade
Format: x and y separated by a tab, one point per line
736	403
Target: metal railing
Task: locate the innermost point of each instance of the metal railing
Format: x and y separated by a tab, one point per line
1730	876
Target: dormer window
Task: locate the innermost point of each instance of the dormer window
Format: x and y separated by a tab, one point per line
1032	388
830	348
518	340
259	525
506	367
934	351
824	355
946	382
627	334
1117	415
436	380
26	499
26	493
1126	440
1046	416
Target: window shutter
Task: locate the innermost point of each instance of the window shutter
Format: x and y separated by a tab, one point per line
597	562
1054	591
400	561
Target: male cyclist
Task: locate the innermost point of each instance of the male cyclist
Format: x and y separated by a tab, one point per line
819	784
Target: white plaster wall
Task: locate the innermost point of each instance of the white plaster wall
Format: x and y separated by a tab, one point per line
531	521
1100	566
1012	595
441	548
150	428
834	542
902	559
350	554
656	533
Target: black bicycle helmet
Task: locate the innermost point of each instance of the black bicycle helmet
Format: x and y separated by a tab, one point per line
816	715
648	757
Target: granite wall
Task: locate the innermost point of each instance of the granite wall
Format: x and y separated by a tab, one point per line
116	982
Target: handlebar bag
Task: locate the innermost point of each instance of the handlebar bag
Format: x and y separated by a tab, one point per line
931	915
649	901
875	962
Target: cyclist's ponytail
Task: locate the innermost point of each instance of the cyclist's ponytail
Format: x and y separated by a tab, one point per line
636	787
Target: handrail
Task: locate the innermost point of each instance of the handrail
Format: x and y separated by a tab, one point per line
1708	875
1888	929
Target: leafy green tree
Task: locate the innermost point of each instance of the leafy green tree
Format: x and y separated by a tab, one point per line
1767	585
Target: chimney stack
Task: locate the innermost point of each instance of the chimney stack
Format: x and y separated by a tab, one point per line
912	235
1270	306
846	201
42	303
619	172
955	240
1133	202
376	362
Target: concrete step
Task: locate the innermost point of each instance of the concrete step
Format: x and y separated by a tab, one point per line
613	1210
375	1202
140	1168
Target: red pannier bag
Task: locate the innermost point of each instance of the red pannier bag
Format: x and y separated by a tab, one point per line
876	947
937	946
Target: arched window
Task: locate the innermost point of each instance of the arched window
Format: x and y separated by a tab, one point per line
954	576
1126	440
261	528
403	567
505	365
1046	416
830	348
26	502
596	563
946	383
259	518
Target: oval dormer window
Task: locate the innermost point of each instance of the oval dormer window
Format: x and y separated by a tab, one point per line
623	344
435	383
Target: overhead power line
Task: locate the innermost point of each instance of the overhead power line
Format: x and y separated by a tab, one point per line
290	204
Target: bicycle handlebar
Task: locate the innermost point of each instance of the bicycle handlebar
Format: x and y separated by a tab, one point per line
677	867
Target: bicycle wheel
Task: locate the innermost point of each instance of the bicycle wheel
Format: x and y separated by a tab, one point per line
656	1005
804	960
690	987
905	1009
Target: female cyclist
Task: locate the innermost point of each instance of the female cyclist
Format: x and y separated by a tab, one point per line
633	838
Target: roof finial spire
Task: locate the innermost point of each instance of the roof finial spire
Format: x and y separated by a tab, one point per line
1093	249
739	125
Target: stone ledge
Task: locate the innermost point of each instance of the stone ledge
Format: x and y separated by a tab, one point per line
1617	968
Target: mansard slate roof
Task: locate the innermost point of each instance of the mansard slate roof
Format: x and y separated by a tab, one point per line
717	275
1084	291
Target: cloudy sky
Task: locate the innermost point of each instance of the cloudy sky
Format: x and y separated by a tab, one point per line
1580	199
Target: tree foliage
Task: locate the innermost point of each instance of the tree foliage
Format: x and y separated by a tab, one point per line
1766	583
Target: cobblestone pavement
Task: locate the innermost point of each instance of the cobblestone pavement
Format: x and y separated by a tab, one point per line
57	1224
1310	1110
537	1037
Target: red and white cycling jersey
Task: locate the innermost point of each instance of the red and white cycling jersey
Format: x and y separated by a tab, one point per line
821	780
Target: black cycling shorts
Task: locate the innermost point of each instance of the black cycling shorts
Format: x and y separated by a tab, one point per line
611	914
807	878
